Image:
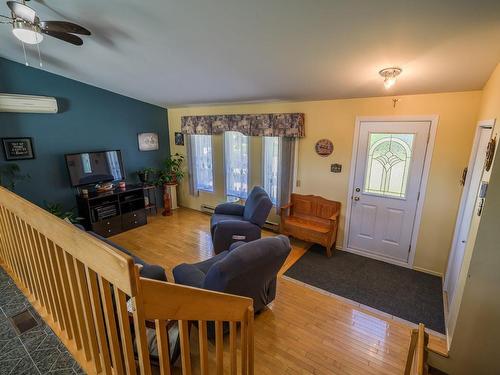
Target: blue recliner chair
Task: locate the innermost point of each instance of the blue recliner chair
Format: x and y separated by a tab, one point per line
247	269
233	222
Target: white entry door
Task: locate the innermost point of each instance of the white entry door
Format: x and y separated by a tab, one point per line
467	209
388	172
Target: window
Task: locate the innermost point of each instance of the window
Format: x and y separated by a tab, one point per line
388	164
236	164
270	167
201	149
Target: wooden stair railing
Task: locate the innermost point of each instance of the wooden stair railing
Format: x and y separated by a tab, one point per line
80	286
416	362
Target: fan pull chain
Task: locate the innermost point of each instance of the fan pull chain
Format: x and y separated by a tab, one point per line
25	58
39	55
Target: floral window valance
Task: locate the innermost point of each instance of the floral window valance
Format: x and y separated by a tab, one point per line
261	125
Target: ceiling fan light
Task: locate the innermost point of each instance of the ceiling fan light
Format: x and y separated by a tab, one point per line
27	33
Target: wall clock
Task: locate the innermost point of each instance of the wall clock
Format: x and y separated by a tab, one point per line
324	147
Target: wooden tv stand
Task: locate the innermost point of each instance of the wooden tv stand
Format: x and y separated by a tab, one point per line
113	212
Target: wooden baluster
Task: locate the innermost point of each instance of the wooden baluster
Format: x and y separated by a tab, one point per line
233	335
6	240
89	318
185	350
250	345
140	324
40	253
58	287
244	346
3	249
219	348
25	259
51	281
15	259
162	342
126	337
77	304
24	276
42	296
110	319
63	273
95	302
203	343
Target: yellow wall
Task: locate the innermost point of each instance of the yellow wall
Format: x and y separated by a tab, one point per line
474	348
335	119
489	109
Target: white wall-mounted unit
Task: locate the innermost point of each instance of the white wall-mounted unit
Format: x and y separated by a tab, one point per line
27	103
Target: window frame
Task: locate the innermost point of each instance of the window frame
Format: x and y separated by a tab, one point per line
212	169
263	168
224	159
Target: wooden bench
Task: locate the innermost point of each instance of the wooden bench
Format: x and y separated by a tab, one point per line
311	218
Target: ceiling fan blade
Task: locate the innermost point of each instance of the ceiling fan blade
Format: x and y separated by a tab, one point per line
22	11
64	27
70	38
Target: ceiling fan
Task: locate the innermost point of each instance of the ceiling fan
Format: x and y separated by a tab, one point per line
27	27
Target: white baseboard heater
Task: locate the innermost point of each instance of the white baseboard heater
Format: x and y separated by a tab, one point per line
27	103
209	209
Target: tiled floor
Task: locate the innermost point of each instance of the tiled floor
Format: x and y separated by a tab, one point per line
36	351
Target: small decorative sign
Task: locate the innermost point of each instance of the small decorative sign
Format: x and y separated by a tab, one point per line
324	147
148	141
179	139
18	148
336	168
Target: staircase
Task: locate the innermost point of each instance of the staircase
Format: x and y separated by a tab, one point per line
92	297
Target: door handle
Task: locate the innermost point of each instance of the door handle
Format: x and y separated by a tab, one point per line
356	198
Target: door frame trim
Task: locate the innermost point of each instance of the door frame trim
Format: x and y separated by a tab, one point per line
487	124
433	120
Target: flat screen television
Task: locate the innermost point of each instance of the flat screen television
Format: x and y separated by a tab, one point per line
89	168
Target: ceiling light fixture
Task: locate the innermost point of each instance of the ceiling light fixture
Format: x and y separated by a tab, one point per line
389	75
27	33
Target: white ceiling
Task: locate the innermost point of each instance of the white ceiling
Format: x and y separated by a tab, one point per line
178	52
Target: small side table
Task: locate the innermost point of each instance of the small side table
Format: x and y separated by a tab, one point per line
150	199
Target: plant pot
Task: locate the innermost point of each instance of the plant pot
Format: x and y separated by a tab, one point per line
143	176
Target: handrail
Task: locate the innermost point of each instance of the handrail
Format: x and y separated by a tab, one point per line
83	287
163	301
416	362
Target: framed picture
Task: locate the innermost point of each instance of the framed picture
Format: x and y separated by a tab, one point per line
179	139
148	141
18	148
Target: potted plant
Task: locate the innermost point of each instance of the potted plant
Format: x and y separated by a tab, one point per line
145	174
170	175
58	210
10	175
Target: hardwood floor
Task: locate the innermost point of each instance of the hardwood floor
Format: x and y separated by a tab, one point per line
304	331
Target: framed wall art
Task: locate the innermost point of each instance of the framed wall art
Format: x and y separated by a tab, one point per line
179	139
148	141
18	148
324	147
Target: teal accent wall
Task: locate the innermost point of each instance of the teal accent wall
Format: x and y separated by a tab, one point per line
89	119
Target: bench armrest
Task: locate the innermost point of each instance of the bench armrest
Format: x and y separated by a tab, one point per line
333	219
284	208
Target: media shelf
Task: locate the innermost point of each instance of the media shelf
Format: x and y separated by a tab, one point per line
113	212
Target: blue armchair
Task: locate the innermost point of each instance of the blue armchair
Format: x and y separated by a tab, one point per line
246	269
233	222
